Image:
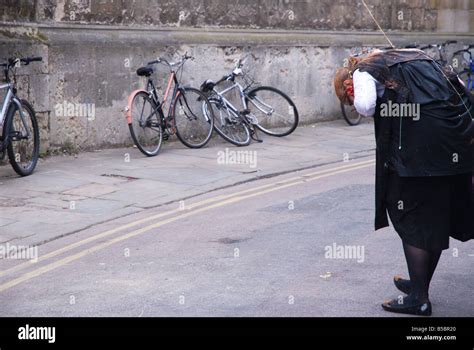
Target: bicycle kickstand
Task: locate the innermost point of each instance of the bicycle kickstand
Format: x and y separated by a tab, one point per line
254	135
253	130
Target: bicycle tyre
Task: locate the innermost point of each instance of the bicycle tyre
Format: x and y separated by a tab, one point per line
292	107
183	102
226	133
349	115
137	125
12	155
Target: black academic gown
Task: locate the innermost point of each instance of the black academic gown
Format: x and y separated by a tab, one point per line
439	143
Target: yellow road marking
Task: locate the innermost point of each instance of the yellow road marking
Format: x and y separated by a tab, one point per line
39	271
169	212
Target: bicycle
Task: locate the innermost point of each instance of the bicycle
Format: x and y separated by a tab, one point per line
466	74
18	125
264	108
350	114
146	118
440	51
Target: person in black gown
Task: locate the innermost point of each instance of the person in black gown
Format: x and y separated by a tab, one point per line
424	162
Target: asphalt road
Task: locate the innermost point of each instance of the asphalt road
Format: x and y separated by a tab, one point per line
264	248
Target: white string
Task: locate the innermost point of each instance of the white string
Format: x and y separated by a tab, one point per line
449	81
377	23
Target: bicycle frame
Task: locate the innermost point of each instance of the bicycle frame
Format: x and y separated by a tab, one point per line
243	96
152	90
6	102
153	93
469	69
9	99
470	81
227	103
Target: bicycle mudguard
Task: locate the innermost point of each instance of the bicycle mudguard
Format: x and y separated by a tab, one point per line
128	109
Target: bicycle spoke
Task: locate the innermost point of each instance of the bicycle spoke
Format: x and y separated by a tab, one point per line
146	127
23	148
274	112
230	127
193	126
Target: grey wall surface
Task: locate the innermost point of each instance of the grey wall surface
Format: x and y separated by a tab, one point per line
419	15
92	49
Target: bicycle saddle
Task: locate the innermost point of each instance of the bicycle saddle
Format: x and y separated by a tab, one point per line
208	86
144	71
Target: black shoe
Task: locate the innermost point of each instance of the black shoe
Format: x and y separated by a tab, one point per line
402	284
408	306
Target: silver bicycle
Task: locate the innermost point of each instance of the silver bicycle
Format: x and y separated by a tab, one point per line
264	108
19	133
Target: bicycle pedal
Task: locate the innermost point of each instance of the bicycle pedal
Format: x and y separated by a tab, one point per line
229	121
166	137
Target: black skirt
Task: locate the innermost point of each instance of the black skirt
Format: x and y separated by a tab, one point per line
426	211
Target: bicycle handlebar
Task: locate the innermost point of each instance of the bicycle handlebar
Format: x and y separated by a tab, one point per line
26	60
464	50
427	47
154	62
438	46
224	78
183	59
239	64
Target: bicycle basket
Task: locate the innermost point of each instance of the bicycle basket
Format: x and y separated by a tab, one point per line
248	63
247	80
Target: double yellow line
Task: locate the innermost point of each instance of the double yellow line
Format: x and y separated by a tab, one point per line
193	209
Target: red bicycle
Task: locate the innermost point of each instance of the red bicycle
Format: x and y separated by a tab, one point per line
185	117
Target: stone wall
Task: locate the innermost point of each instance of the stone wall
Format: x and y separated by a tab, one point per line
419	15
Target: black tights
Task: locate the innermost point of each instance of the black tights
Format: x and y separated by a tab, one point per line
421	267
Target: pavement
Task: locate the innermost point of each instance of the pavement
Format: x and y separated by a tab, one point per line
69	194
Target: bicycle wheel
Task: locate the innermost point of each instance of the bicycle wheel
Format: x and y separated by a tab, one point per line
275	112
350	115
24	140
146	130
228	125
193	126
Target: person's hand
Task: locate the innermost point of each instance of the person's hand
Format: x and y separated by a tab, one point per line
350	99
349	87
